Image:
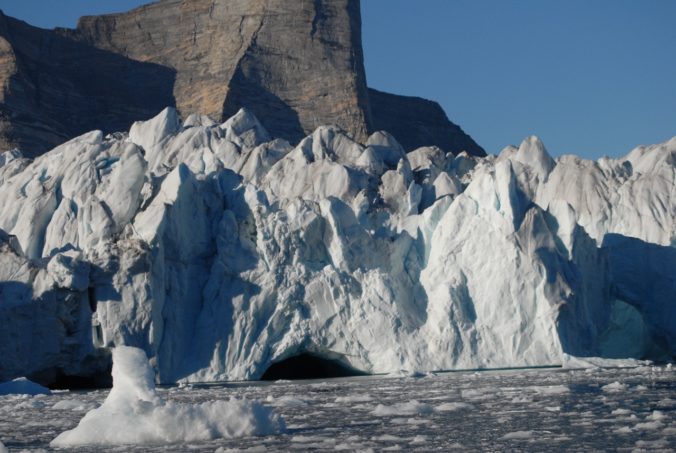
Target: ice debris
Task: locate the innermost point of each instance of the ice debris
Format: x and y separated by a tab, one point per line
133	413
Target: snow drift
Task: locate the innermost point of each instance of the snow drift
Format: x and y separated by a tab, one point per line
133	413
219	251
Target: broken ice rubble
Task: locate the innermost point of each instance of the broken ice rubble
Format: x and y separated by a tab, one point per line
133	413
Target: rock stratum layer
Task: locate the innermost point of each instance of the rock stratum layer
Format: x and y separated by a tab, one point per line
220	252
295	64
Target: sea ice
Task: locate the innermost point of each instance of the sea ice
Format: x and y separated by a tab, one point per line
73	405
412	407
133	413
449	407
518	435
615	387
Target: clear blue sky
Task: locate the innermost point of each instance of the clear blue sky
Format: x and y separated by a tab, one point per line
590	77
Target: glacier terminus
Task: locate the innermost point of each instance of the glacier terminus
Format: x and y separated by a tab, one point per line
220	251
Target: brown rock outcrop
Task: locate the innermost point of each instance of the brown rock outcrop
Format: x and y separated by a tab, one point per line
295	64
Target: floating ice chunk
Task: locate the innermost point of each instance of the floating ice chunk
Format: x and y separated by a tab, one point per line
354	399
133	413
408	408
450	407
614	387
656	415
22	386
518	435
286	400
551	389
3	449
417	440
388	438
73	405
649	426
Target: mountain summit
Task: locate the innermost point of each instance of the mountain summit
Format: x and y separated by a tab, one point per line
295	65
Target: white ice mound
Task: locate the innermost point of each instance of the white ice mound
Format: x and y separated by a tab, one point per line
22	386
133	413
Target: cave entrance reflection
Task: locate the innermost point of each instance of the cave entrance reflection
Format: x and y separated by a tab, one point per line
309	366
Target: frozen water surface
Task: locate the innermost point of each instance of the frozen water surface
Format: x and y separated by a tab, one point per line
524	410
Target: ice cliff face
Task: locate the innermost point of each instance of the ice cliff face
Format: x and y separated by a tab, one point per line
220	251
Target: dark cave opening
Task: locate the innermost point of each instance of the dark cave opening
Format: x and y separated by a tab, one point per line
309	366
91	293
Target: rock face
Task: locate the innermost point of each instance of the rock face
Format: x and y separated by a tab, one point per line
54	88
295	65
415	121
220	252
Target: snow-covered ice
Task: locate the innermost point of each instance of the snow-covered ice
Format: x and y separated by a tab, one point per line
133	413
220	251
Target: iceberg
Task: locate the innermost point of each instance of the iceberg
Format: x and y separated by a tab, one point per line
220	251
133	413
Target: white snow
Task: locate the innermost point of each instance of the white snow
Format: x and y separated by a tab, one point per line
220	251
22	386
133	413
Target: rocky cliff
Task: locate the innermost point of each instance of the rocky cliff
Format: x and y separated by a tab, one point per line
295	65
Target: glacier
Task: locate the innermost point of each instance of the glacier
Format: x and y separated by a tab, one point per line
219	251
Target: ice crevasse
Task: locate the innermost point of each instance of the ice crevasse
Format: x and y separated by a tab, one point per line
219	251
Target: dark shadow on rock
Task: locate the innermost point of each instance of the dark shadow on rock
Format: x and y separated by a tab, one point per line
62	88
417	122
277	116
